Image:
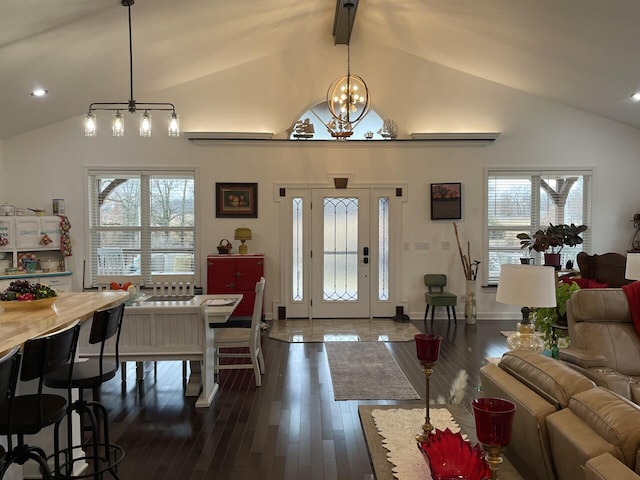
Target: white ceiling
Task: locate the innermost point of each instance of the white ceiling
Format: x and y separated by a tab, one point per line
580	53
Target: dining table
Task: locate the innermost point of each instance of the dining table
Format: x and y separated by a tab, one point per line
157	328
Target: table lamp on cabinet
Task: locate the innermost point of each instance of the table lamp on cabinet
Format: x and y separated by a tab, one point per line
243	234
528	286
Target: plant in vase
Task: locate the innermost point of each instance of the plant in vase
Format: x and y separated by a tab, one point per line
470	274
544	318
552	240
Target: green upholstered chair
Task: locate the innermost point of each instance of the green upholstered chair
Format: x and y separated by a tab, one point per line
436	296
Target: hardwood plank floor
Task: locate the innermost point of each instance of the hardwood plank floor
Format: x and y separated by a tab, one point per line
290	428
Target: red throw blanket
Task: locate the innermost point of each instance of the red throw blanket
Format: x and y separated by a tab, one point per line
632	291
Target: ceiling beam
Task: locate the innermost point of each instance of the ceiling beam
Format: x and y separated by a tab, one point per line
341	26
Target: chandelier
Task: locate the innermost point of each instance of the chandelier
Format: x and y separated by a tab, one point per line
117	126
348	97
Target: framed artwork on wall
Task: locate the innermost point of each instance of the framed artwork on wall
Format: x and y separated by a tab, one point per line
237	200
446	201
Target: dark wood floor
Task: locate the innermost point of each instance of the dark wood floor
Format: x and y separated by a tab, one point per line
290	428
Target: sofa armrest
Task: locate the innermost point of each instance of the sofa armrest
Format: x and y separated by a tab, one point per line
581	357
607	467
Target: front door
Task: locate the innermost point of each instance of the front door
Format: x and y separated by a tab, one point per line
340	279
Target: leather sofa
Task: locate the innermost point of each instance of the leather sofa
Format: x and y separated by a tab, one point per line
565	428
605	346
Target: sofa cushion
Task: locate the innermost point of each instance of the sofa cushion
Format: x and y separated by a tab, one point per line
613	418
553	380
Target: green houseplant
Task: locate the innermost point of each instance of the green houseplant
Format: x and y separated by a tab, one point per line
544	318
552	240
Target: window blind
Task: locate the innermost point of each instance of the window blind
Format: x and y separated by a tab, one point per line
526	201
141	223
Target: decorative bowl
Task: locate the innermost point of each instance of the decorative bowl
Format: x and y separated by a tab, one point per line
452	457
27	304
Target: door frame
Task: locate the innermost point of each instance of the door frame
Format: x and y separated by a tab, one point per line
398	196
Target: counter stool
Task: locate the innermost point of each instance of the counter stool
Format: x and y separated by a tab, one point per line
27	414
90	374
9	365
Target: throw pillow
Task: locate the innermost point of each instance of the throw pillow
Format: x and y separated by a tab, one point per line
632	291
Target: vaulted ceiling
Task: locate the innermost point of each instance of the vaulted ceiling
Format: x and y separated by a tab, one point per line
581	53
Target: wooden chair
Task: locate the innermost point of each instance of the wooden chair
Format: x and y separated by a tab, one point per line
437	296
243	337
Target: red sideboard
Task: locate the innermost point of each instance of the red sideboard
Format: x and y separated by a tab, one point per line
232	273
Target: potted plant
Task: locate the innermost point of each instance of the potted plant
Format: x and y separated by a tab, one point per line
552	240
545	318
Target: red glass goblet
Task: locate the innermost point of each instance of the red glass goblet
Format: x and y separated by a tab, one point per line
494	420
427	350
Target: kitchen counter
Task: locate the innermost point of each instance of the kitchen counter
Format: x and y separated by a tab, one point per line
17	326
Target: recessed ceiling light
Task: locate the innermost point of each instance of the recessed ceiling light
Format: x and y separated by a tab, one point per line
636	96
39	92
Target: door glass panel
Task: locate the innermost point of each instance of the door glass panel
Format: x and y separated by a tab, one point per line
340	279
383	248
297	277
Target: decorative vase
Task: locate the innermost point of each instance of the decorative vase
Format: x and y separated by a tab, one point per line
470	302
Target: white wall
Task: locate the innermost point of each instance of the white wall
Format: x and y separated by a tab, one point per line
50	162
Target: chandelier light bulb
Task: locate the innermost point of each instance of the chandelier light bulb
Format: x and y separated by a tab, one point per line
145	124
90	125
117	126
174	125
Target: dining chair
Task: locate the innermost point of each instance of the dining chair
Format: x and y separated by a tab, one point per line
246	338
437	296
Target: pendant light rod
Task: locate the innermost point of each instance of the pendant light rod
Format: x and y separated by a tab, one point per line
131	105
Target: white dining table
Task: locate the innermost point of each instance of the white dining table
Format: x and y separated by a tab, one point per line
166	328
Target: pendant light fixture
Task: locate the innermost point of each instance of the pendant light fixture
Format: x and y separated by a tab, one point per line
90	124
348	97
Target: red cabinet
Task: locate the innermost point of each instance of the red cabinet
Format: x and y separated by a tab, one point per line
235	274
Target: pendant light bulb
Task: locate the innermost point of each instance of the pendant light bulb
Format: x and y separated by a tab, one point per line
117	126
90	125
145	124
174	125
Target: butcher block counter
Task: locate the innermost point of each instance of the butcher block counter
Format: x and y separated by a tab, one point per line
17	325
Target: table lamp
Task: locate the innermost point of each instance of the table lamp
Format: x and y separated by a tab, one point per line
243	234
632	270
528	286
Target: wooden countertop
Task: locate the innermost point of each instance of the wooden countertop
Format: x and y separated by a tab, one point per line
17	326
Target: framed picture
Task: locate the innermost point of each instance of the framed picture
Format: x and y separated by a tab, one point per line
237	200
446	201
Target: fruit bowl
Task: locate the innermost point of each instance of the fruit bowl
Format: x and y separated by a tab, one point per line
27	304
450	456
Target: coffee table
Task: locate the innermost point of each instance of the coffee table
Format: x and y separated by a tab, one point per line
378	453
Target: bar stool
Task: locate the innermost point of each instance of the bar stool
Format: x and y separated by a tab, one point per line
90	374
27	414
9	365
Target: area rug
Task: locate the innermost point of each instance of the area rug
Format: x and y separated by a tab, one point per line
366	371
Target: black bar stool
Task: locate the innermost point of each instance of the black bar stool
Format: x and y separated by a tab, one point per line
90	374
27	414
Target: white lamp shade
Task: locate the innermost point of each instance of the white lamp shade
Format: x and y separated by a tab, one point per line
632	271
527	286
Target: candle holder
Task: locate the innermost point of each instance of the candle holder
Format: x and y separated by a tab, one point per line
427	350
494	420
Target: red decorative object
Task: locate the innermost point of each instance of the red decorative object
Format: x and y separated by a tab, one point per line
427	347
450	456
494	417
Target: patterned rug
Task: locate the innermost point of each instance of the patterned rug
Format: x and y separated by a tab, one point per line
366	371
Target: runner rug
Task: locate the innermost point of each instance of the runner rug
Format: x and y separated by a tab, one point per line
366	371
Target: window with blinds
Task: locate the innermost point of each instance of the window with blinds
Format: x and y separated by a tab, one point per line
141	223
526	201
